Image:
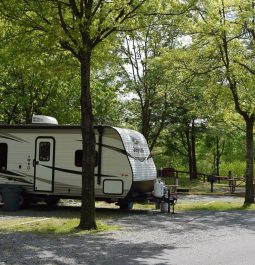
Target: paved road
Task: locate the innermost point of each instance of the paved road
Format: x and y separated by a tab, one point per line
206	238
208	198
230	249
145	238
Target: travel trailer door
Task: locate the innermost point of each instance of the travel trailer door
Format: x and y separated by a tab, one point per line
44	164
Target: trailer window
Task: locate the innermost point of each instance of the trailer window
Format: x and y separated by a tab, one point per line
3	156
44	151
78	158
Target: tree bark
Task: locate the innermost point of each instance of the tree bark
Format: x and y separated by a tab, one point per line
217	155
87	220
249	194
146	119
193	151
217	162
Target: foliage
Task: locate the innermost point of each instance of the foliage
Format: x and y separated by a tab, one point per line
156	66
78	27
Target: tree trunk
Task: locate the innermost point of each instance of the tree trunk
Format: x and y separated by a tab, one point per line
249	188
193	151
187	133
146	120
217	162
87	220
217	156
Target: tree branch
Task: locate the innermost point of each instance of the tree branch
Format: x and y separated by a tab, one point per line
246	67
66	46
120	18
64	25
75	9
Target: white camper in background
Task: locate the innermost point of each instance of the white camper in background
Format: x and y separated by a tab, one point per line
44	159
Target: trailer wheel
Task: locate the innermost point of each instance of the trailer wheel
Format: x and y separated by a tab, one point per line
1	200
12	198
124	205
52	201
22	201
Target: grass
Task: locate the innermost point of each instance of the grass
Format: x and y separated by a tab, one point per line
199	206
214	206
144	206
66	223
199	186
51	225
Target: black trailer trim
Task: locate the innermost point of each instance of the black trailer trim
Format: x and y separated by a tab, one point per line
14	177
75	172
12	138
124	152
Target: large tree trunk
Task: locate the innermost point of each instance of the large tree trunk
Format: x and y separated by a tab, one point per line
249	188
87	220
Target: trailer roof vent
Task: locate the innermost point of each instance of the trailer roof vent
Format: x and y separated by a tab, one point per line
41	119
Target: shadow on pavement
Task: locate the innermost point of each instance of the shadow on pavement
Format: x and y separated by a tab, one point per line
144	237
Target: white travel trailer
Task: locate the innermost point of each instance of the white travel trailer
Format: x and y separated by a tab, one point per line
44	160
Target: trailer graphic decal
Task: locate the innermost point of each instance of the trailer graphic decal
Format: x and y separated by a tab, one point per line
13	138
124	152
13	176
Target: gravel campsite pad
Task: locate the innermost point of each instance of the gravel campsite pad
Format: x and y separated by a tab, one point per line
144	237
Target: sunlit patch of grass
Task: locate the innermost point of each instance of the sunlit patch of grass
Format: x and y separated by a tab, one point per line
53	225
215	206
144	206
11	222
136	206
102	204
101	227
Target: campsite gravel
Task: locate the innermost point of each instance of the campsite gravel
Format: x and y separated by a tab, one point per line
144	237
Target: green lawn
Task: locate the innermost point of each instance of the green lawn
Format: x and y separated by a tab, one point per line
50	225
213	205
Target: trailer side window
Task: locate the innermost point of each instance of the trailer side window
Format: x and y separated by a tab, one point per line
44	151
78	158
3	156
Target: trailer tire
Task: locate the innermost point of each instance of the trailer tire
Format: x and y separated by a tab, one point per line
1	199
124	205
11	197
22	201
52	201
